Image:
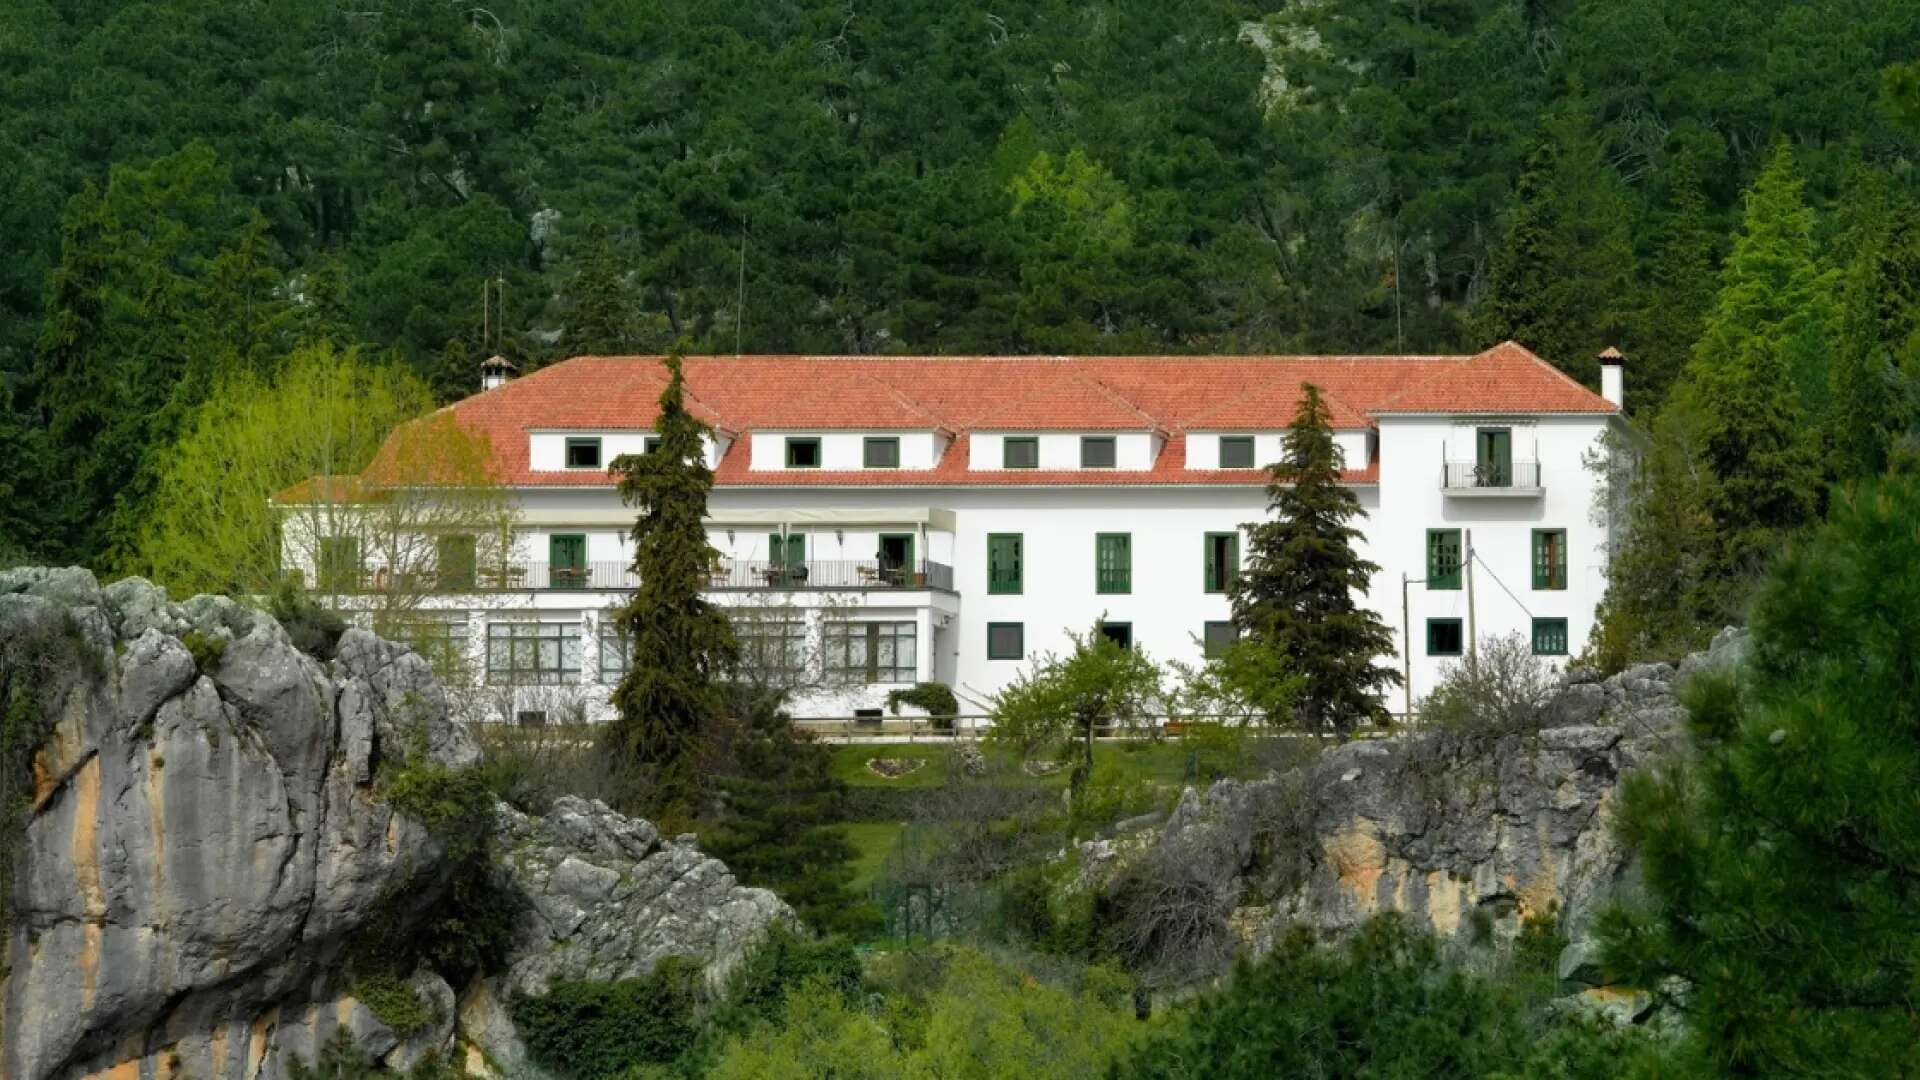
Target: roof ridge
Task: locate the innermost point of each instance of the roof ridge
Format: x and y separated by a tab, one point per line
1545	363
1153	422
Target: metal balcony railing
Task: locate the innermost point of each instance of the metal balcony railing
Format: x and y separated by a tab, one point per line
1490	475
735	574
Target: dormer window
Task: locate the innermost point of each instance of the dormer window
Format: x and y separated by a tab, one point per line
1097	452
583	453
1236	451
881	452
650	444
803	453
1020	452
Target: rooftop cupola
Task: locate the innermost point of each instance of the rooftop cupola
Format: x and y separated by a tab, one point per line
1613	377
495	370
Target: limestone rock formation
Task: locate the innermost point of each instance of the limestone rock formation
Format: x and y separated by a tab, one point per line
1465	837
204	839
607	900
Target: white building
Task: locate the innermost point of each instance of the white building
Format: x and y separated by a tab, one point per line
910	519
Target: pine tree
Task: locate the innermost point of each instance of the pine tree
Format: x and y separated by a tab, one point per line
1559	282
673	697
1759	378
1677	294
601	307
1782	856
1297	593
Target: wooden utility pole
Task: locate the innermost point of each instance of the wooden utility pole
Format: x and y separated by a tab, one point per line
1473	640
1406	651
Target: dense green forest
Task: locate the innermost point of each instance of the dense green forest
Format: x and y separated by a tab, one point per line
188	187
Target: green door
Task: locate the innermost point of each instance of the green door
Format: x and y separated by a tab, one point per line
567	554
788	554
896	558
1494	464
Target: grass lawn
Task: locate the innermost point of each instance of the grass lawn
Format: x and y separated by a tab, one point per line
871	841
1165	763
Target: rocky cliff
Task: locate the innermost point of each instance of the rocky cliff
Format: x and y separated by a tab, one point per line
199	838
1466	833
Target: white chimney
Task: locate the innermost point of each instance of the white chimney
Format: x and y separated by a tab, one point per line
495	370
1613	377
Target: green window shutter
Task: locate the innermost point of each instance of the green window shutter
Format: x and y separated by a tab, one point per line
567	560
1549	558
456	561
1113	563
776	549
1550	637
1443	558
1222	561
1212	566
1004	572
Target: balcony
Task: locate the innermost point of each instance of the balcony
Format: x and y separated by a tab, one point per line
1491	479
731	574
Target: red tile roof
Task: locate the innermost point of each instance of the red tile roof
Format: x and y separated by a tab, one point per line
1167	394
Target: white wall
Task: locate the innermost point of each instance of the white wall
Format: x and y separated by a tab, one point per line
547	449
1167	606
845	450
1203	447
1505	601
1132	450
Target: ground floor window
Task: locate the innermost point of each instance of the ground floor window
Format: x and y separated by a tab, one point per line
1445	637
441	642
1549	637
614	653
770	646
870	651
533	654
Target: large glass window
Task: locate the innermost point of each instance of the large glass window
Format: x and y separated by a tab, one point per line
1549	558
1020	452
772	647
1004	563
615	656
533	654
442	642
1113	563
875	652
1443	558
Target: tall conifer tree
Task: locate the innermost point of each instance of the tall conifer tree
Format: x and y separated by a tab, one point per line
1782	855
1297	593
683	648
1759	376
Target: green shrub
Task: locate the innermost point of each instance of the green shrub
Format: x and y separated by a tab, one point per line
391	998
313	629
600	1030
341	1059
936	698
206	650
1384	1003
776	967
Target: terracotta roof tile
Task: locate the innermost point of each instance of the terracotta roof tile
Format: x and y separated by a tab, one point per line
1170	394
